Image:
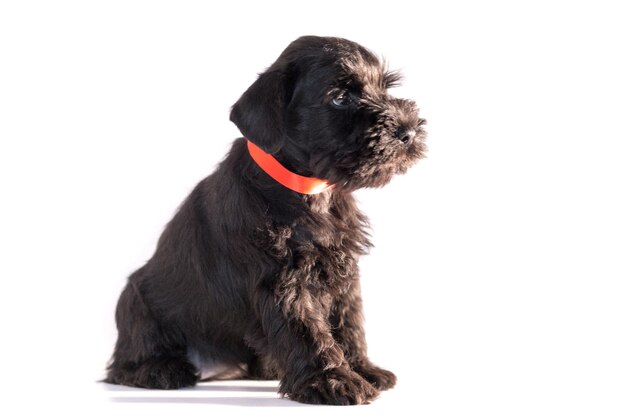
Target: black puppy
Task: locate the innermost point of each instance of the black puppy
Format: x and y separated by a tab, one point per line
256	275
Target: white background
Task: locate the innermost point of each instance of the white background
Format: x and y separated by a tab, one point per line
497	282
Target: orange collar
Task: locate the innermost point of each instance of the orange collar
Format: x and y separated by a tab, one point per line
291	180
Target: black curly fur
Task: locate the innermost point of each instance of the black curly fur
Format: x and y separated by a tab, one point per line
261	279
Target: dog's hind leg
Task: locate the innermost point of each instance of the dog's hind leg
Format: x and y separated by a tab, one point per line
147	354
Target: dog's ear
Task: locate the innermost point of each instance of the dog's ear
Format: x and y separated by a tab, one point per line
259	113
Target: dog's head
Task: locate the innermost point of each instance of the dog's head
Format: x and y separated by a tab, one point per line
323	110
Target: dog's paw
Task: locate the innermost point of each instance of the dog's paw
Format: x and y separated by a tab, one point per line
161	373
380	378
338	386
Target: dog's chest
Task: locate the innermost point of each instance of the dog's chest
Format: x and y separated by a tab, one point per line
323	256
313	257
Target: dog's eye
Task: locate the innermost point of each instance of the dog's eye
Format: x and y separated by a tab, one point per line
341	101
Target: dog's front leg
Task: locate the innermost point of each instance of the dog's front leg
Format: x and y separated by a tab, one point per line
296	334
347	320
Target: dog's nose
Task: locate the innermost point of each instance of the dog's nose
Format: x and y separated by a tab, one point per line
404	135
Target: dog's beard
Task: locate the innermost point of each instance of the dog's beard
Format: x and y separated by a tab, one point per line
387	158
383	158
369	160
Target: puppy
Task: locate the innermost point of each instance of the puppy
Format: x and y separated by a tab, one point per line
256	275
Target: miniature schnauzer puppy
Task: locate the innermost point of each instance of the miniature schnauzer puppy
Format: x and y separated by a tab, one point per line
256	275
